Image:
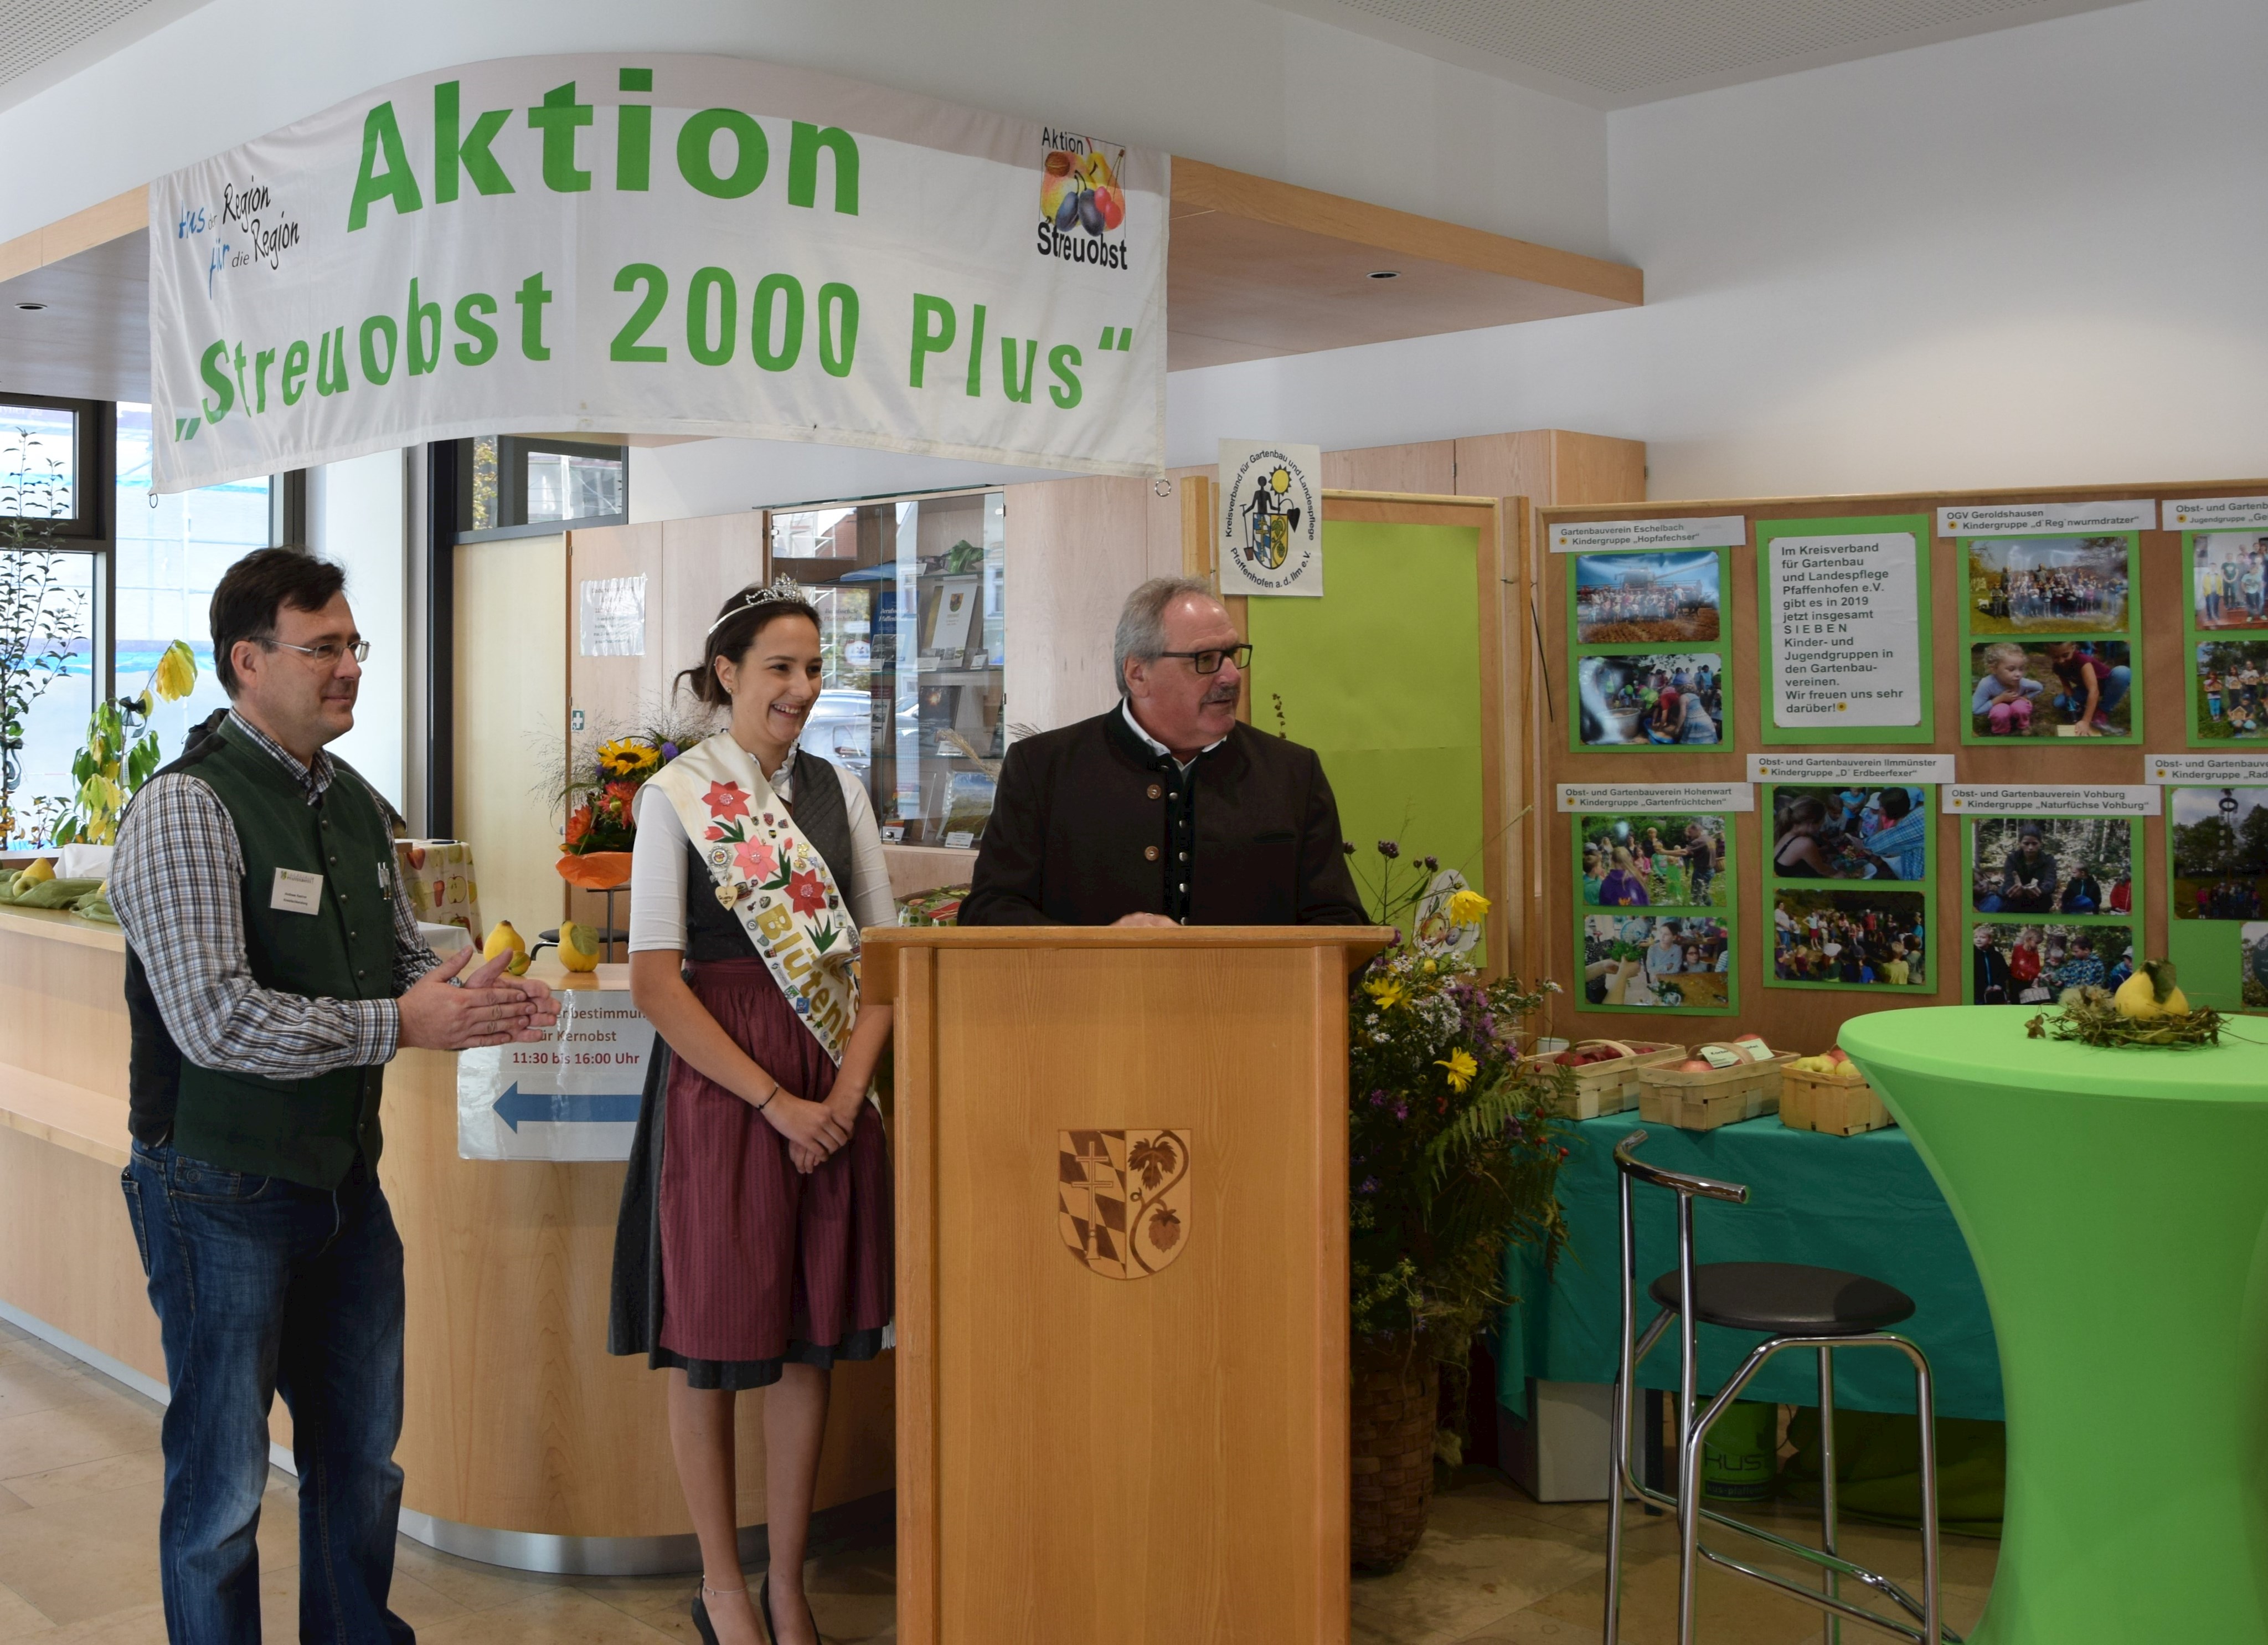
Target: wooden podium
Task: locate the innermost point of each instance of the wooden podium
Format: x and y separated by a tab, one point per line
1121	1282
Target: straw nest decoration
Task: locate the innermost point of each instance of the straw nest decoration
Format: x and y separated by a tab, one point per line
2087	1016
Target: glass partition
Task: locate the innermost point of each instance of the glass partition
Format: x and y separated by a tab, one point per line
912	604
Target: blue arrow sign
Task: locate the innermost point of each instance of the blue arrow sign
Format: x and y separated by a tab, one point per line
516	1105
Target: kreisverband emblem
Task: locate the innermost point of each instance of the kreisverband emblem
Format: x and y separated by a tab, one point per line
1122	1198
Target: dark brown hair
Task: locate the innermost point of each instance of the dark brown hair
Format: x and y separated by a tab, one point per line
738	625
255	589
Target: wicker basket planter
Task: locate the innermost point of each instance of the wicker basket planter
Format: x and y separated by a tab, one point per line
1396	1396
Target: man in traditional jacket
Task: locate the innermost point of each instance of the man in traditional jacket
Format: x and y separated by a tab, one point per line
1165	810
273	968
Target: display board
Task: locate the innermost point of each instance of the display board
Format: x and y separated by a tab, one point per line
2023	649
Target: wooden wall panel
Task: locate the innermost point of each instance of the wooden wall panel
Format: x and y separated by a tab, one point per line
1429	469
1806	1019
1075	549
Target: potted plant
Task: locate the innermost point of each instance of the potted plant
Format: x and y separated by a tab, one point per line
1452	1154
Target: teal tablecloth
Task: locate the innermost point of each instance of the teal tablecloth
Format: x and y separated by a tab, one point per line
1866	1204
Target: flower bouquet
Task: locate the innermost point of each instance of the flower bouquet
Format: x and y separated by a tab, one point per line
601	807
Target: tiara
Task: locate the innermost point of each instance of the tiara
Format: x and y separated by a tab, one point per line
782	588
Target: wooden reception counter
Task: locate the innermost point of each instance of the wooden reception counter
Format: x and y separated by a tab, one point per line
523	1442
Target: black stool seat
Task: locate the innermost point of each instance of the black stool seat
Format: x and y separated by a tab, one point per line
1788	1299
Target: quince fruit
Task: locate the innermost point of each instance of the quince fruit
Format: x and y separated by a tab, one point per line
578	947
504	940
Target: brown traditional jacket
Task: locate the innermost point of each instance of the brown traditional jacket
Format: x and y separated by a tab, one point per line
1090	822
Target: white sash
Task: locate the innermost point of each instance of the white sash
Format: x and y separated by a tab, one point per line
773	880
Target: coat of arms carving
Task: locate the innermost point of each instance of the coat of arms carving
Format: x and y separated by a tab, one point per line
1122	1198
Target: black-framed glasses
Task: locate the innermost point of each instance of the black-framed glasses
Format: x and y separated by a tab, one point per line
1208	661
327	653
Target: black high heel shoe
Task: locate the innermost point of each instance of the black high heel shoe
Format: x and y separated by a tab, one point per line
764	1604
701	1622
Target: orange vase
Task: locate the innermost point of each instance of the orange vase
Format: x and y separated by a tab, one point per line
596	870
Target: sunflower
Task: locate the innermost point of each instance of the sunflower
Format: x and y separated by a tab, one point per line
625	757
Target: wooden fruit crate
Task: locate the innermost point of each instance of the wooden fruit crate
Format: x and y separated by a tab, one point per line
1718	1096
1608	1088
1840	1108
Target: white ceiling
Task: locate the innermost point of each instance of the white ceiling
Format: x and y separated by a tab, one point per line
1615	54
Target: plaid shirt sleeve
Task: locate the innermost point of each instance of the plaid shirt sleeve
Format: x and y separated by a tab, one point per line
176	885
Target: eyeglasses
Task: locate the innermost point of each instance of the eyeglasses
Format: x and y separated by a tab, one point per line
327	653
1208	661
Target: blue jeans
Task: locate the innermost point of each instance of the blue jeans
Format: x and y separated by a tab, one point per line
265	1286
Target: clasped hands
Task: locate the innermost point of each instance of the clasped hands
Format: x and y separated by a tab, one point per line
442	1011
815	1130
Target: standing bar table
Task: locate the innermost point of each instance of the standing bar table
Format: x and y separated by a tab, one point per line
2116	1204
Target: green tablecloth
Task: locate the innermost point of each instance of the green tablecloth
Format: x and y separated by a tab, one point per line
1866	1204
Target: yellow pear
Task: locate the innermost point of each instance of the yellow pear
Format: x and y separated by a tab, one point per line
38	871
2138	998
504	940
578	947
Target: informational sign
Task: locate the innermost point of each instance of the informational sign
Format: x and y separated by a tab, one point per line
2207	768
665	245
1268	539
2000	518
614	616
1657	797
1850	767
2215	513
572	1096
1710	531
1844	614
2101	800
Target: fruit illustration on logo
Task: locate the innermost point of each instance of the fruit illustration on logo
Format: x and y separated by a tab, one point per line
504	940
1082	189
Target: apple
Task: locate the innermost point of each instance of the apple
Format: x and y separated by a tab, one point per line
1113	201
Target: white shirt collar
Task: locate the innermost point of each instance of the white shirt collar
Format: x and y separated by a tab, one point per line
1156	747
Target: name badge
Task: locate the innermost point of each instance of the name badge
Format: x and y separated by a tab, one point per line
297	893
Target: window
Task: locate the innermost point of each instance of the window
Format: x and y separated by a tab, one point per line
170	552
40	443
514	484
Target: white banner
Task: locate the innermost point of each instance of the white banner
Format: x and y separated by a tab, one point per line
572	1095
1657	797
661	245
1712	531
2106	799
2211	769
2214	514
1270	536
1844	615
1849	768
1988	519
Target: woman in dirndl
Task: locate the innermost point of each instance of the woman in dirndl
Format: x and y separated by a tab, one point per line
753	1248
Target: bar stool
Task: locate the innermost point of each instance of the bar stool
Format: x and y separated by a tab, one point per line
1799	1307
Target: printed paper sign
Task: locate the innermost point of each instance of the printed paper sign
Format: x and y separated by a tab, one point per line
1849	768
1657	797
1987	520
2207	768
664	245
2215	513
1844	612
573	1095
1712	531
614	616
1269	536
2110	800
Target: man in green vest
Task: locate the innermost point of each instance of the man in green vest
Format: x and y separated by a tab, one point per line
273	968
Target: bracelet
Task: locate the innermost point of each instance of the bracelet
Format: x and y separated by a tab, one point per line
767	1103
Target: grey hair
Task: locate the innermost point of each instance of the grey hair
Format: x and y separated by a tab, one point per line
1141	636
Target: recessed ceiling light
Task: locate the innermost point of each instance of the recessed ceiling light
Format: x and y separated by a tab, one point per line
31	308
1384	274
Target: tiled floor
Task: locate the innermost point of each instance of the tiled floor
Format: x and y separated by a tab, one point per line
79	1476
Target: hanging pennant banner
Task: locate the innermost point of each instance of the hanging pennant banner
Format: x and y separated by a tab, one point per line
657	244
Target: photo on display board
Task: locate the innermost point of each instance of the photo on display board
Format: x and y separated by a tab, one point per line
1851	939
2253	942
1850	831
2015	964
2070	584
1669	963
2230	689
2228	579
1650	699
2051	865
1659	860
1646	599
2047	688
2220	842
